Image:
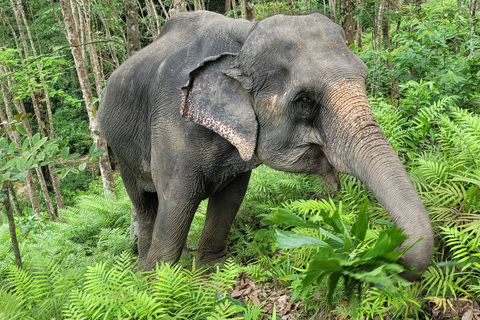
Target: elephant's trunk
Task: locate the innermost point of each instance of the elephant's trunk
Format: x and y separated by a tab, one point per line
360	148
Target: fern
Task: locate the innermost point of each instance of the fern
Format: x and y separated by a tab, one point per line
444	282
464	246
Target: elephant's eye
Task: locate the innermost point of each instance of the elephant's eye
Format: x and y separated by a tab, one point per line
304	98
305	106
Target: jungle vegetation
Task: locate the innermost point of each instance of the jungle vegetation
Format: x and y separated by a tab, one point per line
65	246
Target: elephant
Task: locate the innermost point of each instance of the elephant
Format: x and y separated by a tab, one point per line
190	115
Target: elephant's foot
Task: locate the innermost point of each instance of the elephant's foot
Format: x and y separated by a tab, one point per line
210	258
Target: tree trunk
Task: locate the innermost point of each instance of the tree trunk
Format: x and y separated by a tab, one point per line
19	17
199	5
11	222
248	10
81	67
472	8
333	7
153	18
378	25
346	11
178	6
228	5
234	8
133	35
359	24
13	201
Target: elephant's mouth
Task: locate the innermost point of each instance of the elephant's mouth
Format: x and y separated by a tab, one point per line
327	171
315	156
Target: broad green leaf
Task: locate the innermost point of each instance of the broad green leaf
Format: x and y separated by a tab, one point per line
388	240
64	153
311	276
330	265
12	147
3	142
38	144
10	164
36	138
332	285
21	176
26	144
73	156
285	217
92	149
340	242
21	129
289	240
97	153
82	166
359	228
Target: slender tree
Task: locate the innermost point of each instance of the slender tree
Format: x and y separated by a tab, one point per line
346	12
6	201
359	33
133	35
81	68
248	10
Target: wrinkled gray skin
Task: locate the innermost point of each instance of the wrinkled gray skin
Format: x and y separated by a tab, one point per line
189	117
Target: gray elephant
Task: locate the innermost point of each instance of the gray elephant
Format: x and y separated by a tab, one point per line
189	116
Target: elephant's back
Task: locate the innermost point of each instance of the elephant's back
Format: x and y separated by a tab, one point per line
144	92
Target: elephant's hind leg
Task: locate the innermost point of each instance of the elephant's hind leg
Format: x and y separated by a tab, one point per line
145	205
221	211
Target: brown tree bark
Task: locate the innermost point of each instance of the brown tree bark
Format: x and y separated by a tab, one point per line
153	18
359	25
177	6
349	25
11	222
81	68
378	25
234	8
248	10
333	9
133	35
198	5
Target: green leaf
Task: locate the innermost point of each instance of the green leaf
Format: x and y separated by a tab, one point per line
21	176
64	153
82	166
20	164
38	144
21	129
285	217
289	240
10	164
73	156
12	147
332	285
329	265
36	138
26	144
97	154
3	142
92	149
359	228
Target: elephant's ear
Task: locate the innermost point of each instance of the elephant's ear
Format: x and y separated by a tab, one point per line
220	103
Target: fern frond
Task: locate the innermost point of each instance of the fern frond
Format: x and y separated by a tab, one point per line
444	282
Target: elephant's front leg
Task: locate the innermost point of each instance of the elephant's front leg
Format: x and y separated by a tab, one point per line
177	206
221	210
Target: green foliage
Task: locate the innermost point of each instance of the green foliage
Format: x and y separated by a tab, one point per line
344	254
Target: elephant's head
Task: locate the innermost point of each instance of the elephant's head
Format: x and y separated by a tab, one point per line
294	98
